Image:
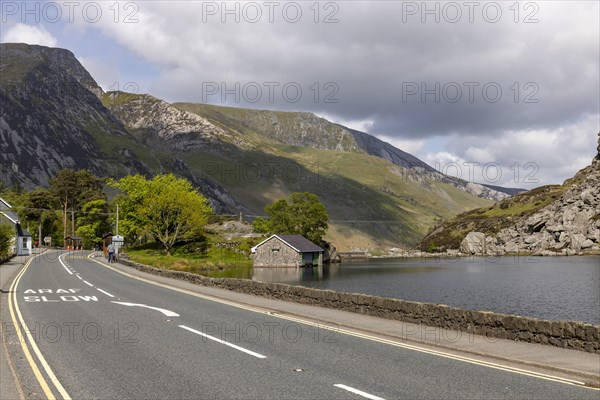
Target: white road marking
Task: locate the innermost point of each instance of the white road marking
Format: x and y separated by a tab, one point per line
79	277
64	266
162	310
106	293
358	392
394	343
87	283
223	342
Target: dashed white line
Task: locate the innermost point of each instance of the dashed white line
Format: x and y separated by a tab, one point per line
87	283
358	392
64	266
223	342
106	293
79	277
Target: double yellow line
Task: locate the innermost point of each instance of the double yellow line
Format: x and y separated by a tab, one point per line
24	336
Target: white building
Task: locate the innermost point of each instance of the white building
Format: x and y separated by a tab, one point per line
22	242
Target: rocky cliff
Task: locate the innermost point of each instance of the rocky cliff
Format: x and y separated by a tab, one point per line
51	118
551	220
178	129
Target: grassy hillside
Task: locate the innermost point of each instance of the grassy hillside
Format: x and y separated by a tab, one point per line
370	203
295	128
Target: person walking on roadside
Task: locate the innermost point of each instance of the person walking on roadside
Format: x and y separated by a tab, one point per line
111	253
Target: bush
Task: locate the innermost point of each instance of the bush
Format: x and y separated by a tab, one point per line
7	234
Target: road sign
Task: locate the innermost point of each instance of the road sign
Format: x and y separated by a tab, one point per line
117	239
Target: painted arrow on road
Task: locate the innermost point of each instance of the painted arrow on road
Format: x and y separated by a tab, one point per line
162	310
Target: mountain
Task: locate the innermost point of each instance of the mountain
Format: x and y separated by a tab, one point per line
549	220
307	130
260	156
53	116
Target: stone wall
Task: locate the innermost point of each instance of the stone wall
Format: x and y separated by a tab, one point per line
565	334
275	253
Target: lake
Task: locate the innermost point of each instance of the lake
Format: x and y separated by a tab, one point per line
553	288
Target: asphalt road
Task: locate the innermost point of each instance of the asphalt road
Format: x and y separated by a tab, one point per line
108	336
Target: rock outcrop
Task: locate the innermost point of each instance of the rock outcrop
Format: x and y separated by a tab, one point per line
569	225
51	118
179	129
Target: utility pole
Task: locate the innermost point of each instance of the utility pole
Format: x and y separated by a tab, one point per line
65	221
40	234
117	224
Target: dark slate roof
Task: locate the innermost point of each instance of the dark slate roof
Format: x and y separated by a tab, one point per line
22	232
11	216
4	205
300	243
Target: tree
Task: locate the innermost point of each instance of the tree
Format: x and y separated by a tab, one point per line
167	207
72	189
93	222
7	234
304	215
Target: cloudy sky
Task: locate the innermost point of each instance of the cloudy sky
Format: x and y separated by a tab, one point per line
507	90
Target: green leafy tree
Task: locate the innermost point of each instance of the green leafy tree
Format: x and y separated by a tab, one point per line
93	222
166	207
304	214
73	188
7	233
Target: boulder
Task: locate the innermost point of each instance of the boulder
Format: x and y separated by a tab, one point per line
577	241
473	243
511	247
536	222
564	238
588	197
531	239
555	228
586	244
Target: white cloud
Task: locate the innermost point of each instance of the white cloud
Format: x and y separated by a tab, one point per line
527	158
362	125
22	33
412	146
107	76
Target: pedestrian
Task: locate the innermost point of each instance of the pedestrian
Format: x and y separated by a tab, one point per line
111	253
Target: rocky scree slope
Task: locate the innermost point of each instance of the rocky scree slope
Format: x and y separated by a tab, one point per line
550	220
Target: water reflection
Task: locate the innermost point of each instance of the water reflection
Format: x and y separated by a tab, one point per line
295	275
